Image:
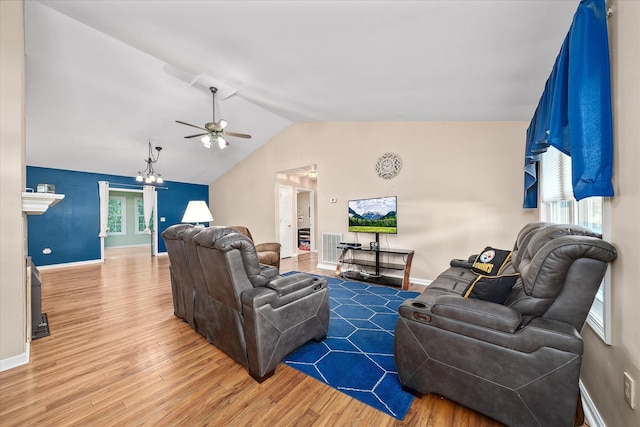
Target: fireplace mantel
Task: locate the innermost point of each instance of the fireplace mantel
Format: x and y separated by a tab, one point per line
38	203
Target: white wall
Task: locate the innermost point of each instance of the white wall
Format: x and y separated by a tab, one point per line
460	187
13	314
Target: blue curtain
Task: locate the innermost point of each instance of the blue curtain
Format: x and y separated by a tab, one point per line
574	112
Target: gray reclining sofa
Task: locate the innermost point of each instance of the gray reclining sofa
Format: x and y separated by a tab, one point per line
244	308
501	335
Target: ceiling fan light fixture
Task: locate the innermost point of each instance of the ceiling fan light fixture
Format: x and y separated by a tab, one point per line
214	129
206	141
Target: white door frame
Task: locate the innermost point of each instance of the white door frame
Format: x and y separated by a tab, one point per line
154	235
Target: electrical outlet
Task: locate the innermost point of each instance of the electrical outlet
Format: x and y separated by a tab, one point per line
629	390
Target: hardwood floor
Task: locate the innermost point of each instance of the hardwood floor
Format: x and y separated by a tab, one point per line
118	356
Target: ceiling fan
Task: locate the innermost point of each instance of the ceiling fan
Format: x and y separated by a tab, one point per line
214	131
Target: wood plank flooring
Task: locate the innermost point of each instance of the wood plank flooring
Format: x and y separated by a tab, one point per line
118	356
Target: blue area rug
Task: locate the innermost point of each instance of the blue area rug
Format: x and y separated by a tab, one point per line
357	358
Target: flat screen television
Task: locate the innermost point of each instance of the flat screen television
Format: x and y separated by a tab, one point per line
376	215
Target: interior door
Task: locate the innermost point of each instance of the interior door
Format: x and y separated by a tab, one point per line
285	220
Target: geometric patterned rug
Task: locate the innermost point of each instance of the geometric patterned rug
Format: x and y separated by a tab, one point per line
357	356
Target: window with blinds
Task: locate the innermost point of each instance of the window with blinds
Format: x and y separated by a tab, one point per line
558	205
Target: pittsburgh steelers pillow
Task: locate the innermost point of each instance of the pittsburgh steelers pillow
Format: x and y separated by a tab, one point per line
491	288
491	261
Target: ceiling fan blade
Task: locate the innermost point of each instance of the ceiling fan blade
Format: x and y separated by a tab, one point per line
189	124
199	134
237	135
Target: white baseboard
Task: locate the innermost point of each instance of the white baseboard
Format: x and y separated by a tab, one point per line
15	361
144	245
70	264
78	263
423	282
326	266
590	411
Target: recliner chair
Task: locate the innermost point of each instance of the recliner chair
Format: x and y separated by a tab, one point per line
268	253
182	289
201	297
189	291
256	316
517	362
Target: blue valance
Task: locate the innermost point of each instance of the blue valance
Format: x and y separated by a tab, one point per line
574	112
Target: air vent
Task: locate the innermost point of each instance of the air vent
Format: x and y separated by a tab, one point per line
330	251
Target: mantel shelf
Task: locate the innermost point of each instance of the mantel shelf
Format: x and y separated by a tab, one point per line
38	203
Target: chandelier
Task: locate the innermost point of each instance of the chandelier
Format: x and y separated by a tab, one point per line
150	176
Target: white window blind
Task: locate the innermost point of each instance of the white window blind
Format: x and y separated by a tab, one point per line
556	176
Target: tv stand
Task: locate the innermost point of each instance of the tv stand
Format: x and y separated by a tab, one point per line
369	267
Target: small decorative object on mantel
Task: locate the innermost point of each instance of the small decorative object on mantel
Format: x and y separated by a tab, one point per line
46	188
388	166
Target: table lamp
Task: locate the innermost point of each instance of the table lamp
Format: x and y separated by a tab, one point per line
197	212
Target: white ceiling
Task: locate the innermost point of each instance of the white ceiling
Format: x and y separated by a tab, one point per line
103	77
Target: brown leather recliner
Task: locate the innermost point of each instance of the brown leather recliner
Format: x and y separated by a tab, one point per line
517	361
268	253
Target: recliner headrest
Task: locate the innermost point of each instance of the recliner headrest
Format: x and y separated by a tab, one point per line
550	253
551	232
188	234
225	239
174	231
524	236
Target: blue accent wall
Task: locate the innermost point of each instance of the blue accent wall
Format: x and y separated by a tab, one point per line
70	228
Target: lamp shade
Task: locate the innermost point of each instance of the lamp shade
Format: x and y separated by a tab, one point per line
197	211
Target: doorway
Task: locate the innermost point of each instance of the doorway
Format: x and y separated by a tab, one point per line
126	235
305	222
296	210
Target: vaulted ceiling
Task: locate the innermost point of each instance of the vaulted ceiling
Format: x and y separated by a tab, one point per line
103	77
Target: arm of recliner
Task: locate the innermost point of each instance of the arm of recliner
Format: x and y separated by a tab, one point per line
283	290
478	312
465	263
493	323
288	284
268	247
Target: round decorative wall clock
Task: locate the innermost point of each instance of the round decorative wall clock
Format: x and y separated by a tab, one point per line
388	166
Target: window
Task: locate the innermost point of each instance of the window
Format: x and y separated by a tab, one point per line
117	220
559	206
140	216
